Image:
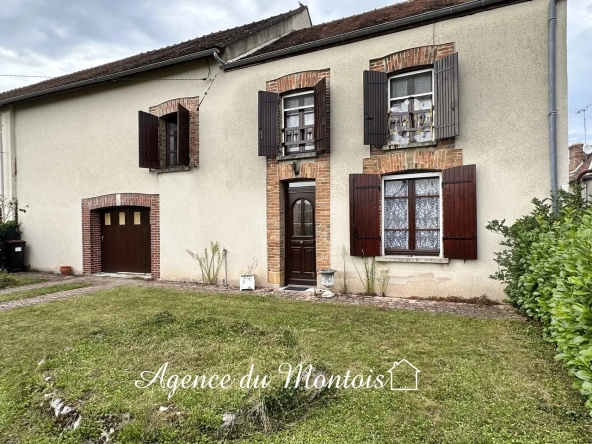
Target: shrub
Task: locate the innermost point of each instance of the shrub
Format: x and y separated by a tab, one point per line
7	281
547	267
209	262
369	279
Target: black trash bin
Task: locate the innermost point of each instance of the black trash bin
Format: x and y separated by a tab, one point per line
16	255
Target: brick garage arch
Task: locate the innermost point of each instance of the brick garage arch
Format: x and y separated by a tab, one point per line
91	227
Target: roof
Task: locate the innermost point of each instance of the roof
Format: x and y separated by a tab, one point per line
341	27
218	40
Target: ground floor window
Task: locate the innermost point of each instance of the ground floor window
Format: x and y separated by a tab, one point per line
412	214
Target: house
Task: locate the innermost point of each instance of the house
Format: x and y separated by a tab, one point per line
580	167
397	133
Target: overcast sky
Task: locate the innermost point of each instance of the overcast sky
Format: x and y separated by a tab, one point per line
56	37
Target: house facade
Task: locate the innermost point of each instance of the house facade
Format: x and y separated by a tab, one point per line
396	134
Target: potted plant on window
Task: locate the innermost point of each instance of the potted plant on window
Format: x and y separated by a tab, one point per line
247	280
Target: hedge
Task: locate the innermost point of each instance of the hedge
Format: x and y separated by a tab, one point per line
547	266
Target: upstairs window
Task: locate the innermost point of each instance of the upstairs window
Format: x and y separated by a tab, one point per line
172	146
298	113
296	123
164	142
410	106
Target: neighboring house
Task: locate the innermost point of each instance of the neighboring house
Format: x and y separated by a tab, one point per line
580	168
397	133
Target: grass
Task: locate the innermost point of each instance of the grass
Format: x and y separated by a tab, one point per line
481	381
16	279
41	291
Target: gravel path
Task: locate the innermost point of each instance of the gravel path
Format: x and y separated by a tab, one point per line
502	311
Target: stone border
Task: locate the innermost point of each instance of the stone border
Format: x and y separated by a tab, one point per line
98	283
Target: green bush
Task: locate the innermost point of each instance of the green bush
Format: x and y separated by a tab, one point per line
547	266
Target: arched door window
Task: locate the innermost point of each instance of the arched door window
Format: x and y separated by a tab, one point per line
302	218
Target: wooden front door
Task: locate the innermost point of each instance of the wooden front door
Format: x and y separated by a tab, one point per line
125	240
300	236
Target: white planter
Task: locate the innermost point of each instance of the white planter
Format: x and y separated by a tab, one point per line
247	282
327	278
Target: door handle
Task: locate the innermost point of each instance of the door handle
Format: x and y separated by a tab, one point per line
301	242
102	237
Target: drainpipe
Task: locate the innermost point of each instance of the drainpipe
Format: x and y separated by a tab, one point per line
217	57
553	101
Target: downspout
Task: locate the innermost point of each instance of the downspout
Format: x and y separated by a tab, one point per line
217	57
553	101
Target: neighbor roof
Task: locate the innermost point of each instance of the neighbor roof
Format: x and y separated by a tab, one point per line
218	40
337	31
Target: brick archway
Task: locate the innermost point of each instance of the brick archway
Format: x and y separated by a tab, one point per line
91	227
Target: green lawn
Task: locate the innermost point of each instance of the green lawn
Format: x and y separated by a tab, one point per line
481	381
18	279
41	291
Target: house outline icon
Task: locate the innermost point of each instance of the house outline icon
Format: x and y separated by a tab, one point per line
397	364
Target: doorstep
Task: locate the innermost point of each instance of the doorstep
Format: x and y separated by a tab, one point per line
122	275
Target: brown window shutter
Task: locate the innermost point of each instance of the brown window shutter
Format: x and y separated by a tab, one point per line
375	108
321	115
268	124
446	97
148	125
364	214
183	134
459	189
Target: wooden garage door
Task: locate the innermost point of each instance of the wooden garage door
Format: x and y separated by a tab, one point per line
125	240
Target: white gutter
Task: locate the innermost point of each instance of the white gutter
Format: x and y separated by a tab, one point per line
428	17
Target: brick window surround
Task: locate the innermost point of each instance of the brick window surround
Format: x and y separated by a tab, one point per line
281	172
168	107
91	227
438	157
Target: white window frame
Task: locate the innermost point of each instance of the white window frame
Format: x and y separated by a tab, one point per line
389	99
403	177
302	93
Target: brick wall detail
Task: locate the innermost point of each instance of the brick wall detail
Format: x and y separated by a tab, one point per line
168	107
412	58
418	159
280	172
91	227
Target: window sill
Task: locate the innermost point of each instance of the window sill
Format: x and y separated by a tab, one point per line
170	169
411	145
297	156
415	259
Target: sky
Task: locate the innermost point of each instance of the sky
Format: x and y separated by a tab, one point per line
56	37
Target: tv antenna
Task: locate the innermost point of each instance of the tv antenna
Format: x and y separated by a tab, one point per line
587	148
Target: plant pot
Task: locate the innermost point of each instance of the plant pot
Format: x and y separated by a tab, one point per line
247	282
66	270
327	278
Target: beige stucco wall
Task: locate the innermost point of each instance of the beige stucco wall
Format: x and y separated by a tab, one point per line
84	144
